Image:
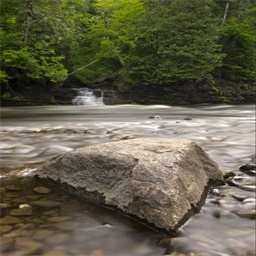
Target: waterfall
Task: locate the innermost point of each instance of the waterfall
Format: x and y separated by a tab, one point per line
88	97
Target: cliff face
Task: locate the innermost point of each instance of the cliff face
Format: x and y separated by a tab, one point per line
177	94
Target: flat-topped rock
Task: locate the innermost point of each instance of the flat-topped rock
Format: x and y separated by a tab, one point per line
159	181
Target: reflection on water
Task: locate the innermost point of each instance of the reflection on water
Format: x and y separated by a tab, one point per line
58	224
31	135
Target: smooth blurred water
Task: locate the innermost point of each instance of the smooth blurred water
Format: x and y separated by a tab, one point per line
31	135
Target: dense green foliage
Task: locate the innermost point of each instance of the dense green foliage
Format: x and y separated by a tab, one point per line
238	39
181	42
29	35
135	41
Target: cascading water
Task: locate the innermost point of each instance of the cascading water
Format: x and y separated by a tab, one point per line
87	97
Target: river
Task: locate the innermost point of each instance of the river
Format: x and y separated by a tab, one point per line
31	135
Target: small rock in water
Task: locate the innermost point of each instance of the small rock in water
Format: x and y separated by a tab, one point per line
9	220
46	203
27	211
237	247
125	138
239	180
6	243
56	252
67	225
155	117
107	225
99	231
42	190
4	206
249	169
249	187
4	229
97	253
44	130
58	218
216	192
249	200
58	238
34	197
50	212
227	174
25	226
24	206
2	190
42	234
240	197
224	214
230	181
28	245
247	214
12	188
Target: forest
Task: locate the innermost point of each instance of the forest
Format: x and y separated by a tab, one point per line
134	42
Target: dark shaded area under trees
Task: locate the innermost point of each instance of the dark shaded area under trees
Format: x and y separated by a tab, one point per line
140	51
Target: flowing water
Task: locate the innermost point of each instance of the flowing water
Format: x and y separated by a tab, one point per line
35	222
88	97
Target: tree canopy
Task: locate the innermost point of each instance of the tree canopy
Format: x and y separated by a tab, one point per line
135	41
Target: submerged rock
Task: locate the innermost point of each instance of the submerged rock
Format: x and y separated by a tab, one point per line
27	211
6	243
28	245
9	220
42	190
249	169
46	203
250	214
4	206
161	182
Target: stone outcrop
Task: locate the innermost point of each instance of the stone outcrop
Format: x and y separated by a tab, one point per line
183	93
159	181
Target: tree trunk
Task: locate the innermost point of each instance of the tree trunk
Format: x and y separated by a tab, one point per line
225	13
29	18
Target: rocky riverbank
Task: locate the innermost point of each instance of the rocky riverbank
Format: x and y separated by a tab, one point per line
114	93
178	94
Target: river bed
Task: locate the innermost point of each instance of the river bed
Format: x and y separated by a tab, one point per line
31	135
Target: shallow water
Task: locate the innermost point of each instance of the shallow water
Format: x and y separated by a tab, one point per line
31	135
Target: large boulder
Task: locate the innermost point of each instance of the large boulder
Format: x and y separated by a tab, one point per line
159	181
